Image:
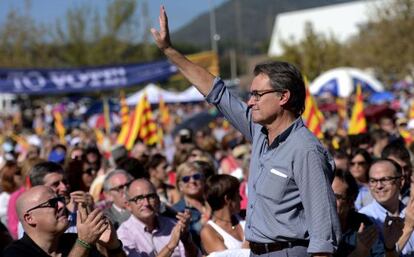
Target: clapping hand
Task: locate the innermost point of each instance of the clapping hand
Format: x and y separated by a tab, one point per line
393	229
90	226
366	237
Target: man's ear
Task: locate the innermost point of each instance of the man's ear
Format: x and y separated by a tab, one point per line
108	196
29	219
227	199
128	206
284	97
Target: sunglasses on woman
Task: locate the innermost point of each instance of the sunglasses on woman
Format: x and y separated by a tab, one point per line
51	203
196	176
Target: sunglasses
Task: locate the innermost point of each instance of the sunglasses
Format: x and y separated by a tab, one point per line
51	203
140	198
120	188
197	176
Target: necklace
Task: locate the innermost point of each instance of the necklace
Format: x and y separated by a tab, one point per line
233	224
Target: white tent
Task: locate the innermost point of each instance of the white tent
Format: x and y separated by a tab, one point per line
154	92
342	82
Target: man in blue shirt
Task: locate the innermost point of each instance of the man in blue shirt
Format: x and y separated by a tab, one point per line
385	183
291	207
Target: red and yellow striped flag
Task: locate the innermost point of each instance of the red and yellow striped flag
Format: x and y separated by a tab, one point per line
312	116
124	109
148	131
141	124
164	113
358	123
59	127
129	132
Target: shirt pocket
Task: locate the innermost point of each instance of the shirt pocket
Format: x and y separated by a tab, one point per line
272	184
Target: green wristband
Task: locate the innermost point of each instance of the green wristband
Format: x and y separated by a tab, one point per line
83	244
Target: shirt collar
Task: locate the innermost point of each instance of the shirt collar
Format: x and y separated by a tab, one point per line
120	210
143	227
298	123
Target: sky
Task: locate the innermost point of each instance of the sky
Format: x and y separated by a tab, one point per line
180	12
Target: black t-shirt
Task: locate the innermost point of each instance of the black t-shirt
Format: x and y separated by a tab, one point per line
26	247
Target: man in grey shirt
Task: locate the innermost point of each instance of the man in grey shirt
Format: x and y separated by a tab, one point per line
292	208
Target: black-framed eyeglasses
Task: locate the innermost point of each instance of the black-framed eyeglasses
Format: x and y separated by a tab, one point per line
196	176
140	198
256	94
384	181
120	188
51	203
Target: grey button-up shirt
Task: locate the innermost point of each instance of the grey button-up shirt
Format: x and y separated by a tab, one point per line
290	194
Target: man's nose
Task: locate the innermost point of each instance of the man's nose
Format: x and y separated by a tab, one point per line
250	101
62	186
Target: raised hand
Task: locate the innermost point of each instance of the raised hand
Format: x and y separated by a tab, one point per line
109	238
162	37
80	198
184	221
409	213
90	226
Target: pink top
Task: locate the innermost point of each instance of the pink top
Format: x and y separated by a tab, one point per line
13	219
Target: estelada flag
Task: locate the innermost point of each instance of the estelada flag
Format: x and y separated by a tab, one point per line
358	123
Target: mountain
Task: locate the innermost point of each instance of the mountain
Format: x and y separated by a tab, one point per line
244	24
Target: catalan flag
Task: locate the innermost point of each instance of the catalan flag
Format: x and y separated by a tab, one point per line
141	124
164	113
124	109
130	131
148	130
59	127
312	116
358	123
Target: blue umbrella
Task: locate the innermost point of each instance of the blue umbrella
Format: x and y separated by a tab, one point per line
381	97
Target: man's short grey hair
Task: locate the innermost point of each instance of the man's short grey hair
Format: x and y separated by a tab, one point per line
107	186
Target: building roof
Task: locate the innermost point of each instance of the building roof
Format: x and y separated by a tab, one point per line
339	20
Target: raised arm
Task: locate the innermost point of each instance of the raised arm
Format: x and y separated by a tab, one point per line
197	75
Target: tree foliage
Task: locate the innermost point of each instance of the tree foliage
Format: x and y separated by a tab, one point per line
385	43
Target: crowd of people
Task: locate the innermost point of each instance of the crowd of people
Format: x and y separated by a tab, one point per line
263	187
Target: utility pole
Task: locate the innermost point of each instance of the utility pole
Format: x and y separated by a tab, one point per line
214	37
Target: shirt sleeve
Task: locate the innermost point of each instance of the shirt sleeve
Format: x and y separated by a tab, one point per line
312	174
232	107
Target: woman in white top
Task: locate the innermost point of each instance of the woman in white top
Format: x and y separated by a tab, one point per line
224	230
